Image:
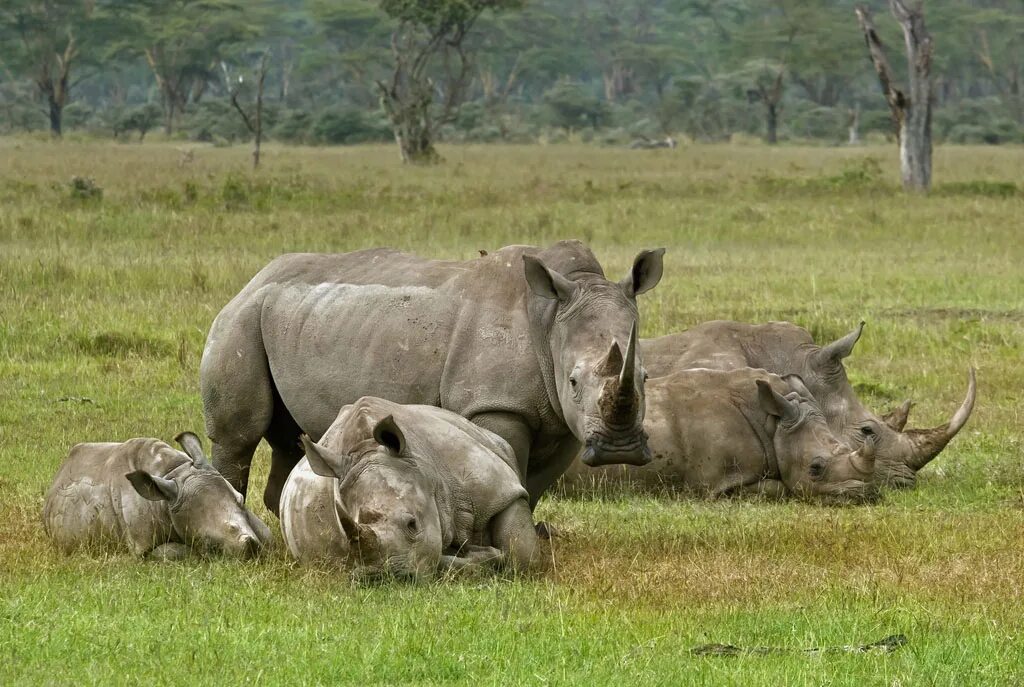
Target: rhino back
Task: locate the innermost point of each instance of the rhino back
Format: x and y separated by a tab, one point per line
779	347
91	503
309	524
383	323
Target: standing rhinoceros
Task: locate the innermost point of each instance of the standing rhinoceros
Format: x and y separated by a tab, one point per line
407	490
784	349
524	342
150	498
743	431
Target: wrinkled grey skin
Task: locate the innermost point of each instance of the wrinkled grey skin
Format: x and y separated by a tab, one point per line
745	431
153	500
408	491
786	349
525	342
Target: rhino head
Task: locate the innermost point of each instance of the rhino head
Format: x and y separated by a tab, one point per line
812	461
384	502
598	374
205	511
900	452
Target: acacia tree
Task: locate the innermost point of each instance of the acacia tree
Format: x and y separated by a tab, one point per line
430	37
44	39
911	109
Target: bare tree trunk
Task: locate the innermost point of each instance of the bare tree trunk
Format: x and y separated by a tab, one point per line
854	126
912	113
410	121
56	118
255	123
773	123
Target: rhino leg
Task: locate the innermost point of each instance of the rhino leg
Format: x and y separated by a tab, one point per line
512	429
470	557
513	532
237	392
168	552
548	466
286	452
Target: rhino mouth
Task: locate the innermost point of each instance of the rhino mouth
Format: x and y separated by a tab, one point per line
601	450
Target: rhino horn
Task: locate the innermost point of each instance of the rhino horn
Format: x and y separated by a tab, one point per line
896	419
925	444
863	459
360	536
841	348
627	375
612	362
193	447
325	462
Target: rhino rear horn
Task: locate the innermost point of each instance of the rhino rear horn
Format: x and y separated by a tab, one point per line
841	348
325	462
896	419
926	444
193	447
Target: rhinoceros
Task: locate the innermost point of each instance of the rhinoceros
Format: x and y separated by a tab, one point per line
784	348
147	497
525	342
743	431
407	490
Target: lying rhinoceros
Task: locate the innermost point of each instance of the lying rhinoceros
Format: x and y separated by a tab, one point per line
150	498
784	349
744	431
407	490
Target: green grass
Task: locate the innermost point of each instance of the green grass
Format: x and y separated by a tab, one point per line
104	306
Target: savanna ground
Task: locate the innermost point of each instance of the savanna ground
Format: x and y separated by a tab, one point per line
104	306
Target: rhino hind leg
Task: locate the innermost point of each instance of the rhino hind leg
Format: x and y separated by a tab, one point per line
286	452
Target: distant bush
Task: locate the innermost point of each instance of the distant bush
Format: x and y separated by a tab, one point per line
139	119
572	106
349	125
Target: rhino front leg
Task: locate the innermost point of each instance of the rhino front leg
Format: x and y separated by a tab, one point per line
513	532
549	466
471	557
168	552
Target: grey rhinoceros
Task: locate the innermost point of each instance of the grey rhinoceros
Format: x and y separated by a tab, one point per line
150	498
744	431
784	348
408	490
525	342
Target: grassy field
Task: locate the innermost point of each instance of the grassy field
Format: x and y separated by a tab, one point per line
104	307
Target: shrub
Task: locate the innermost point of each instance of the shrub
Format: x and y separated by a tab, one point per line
350	125
571	106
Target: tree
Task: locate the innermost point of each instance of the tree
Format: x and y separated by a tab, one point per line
912	109
183	41
253	121
44	38
428	32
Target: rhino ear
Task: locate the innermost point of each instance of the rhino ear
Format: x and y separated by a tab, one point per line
388	434
648	266
153	487
547	283
324	461
774	403
796	383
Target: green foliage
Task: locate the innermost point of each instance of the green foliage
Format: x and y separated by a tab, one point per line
349	125
571	106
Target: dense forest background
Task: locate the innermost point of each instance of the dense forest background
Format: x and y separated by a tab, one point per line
610	71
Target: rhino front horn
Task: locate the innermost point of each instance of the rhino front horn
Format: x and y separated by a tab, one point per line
926	444
627	375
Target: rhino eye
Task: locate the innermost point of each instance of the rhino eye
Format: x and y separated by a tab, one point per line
573	382
867	431
412	525
817	469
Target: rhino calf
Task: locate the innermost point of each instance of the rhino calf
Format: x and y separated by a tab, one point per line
742	431
150	498
408	491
